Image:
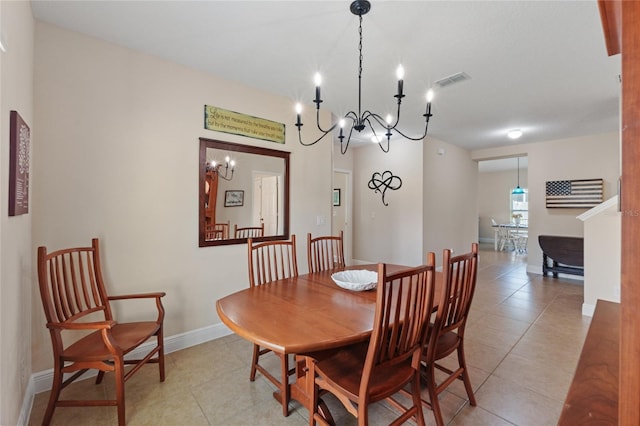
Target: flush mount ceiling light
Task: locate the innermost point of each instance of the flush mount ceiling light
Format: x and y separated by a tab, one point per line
514	134
361	120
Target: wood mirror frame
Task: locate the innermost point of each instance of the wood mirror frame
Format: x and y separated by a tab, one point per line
206	212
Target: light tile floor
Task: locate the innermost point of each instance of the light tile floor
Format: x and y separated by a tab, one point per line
523	341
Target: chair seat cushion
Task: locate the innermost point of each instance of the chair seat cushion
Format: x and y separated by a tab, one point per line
127	336
343	368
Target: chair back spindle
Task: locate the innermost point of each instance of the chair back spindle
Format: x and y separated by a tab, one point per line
403	307
249	231
325	253
272	260
72	286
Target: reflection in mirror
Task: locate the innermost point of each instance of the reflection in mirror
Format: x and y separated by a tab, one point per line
244	191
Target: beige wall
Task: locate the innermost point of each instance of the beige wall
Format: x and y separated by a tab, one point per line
602	253
388	233
450	203
494	197
118	159
16	93
435	208
343	173
594	156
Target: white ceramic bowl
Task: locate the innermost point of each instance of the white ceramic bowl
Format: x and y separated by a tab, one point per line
356	279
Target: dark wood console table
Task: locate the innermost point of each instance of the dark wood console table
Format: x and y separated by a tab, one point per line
566	255
593	395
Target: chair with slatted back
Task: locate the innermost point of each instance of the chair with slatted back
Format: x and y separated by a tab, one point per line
325	253
447	331
367	372
223	230
211	233
74	298
248	231
271	261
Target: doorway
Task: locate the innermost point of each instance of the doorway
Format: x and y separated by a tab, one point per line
266	202
342	210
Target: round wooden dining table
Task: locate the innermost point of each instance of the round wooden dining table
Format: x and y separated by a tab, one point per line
303	314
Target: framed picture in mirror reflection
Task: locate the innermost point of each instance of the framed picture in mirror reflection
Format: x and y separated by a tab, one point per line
233	198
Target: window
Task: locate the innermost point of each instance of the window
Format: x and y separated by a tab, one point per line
520	206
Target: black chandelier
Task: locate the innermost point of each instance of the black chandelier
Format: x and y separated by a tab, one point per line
362	120
222	170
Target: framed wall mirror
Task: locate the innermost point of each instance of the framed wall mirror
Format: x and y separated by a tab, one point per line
244	193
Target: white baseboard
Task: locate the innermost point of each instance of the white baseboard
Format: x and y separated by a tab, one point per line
42	380
588	310
486	240
27	403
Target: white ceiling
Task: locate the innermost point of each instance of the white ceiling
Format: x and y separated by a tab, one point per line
540	66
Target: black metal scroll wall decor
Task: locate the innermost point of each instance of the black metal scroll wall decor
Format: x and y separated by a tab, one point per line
380	182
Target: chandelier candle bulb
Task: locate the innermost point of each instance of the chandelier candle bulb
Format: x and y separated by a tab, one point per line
318	80
429	99
400	75
298	111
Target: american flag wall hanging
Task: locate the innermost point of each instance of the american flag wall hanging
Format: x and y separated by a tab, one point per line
581	193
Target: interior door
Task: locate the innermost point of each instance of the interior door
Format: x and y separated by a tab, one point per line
266	193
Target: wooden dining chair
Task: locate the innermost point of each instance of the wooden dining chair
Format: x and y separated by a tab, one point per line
271	261
248	231
324	253
459	275
211	233
223	230
364	373
75	299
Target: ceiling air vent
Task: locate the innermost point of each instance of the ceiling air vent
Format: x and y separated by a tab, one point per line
452	79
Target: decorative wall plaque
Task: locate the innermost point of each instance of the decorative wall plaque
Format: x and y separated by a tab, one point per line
574	194
223	120
19	140
380	182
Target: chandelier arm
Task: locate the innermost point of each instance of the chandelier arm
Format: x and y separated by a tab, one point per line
366	119
324	133
318	123
343	149
381	121
419	138
353	116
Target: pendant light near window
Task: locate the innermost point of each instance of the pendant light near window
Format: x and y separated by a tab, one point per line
517	190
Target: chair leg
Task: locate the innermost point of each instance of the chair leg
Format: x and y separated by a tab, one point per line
119	375
417	401
55	394
284	384
99	377
161	354
465	375
254	361
433	394
312	391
